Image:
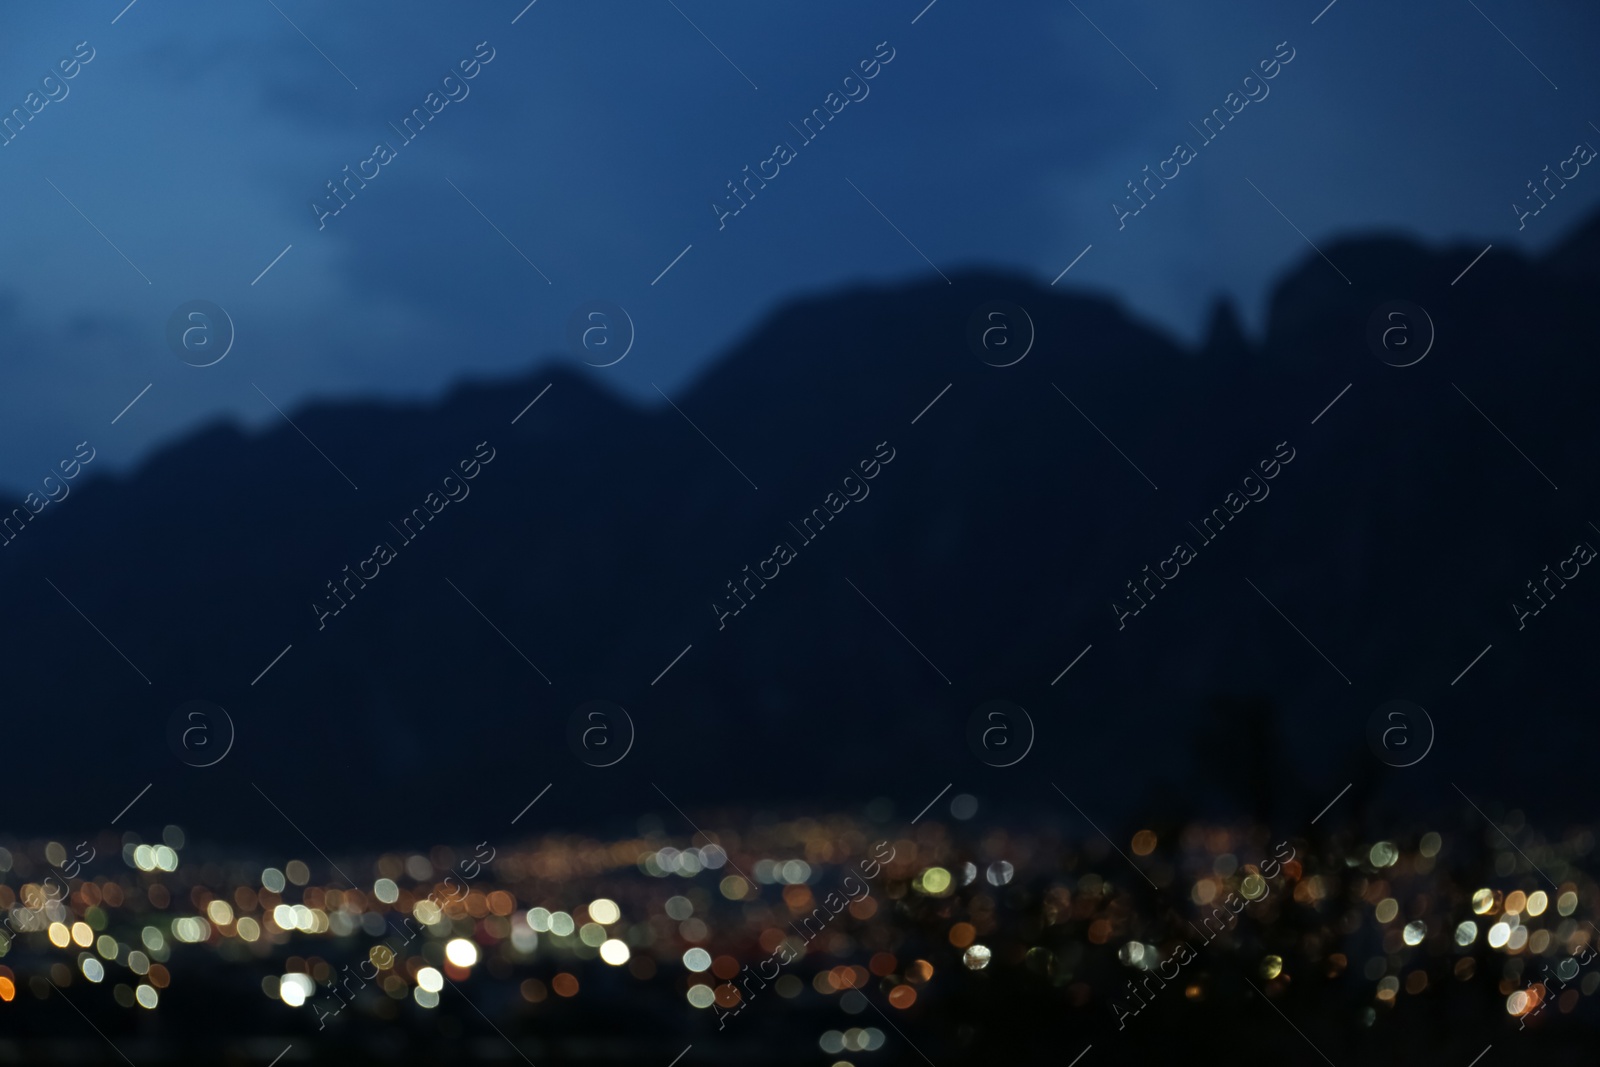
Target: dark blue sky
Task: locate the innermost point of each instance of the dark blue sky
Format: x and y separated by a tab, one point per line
598	137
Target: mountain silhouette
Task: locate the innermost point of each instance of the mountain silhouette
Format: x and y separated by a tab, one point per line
985	556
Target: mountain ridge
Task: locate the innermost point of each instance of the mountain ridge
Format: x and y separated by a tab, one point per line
1021	503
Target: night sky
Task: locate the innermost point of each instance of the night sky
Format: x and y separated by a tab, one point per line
589	150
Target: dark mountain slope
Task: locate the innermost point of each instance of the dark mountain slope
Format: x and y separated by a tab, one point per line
599	536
